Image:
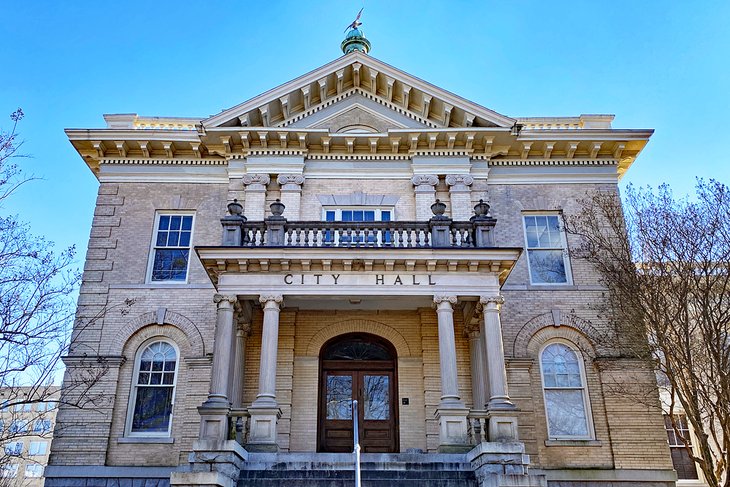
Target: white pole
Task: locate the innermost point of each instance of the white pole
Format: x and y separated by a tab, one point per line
356	440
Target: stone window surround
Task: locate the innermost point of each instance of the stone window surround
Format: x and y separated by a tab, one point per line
142	437
590	439
566	257
153	241
358	198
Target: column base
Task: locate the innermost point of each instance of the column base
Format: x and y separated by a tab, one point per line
214	425
262	429
211	463
453	431
503	465
502	426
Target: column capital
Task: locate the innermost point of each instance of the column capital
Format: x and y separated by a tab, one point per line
256	181
459	182
491	303
271	300
224	301
425	183
243	329
443	301
290	182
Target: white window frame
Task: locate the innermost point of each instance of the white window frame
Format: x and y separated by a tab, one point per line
42	430
584	388
38	453
338	211
12	446
9	470
35	468
378	210
563	248
133	391
153	246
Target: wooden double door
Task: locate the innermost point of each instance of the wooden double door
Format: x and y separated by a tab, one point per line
358	367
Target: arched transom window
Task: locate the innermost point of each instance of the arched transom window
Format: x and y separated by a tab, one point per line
566	399
154	390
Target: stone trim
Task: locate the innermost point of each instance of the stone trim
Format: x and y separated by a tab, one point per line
363	326
556	319
77	471
358	198
189	329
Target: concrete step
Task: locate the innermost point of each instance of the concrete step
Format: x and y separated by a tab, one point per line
337	470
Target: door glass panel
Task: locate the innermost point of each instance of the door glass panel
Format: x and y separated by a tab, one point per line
339	397
376	400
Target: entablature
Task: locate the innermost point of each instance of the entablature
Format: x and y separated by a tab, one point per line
471	264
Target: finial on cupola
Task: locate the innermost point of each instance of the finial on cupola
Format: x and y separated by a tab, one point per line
355	39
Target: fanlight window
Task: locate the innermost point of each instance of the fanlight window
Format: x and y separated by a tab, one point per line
356	349
564	389
154	390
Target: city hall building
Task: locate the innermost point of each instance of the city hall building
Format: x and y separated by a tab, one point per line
355	234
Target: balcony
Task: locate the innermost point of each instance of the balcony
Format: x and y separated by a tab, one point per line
438	232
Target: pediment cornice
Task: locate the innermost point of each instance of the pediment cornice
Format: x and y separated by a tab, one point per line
373	77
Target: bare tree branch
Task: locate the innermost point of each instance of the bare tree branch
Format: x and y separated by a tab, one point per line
665	263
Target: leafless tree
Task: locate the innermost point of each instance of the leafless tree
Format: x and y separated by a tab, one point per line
37	300
665	264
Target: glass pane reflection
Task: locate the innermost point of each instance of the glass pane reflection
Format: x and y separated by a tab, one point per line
376	400
339	397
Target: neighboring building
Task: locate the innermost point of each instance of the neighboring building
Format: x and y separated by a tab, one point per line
27	420
354	197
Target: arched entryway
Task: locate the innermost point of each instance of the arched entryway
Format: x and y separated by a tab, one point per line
363	367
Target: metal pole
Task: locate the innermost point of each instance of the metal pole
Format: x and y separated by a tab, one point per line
356	440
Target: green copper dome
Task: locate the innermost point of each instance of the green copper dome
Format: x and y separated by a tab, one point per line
355	41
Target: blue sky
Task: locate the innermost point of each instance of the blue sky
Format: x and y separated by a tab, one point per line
654	64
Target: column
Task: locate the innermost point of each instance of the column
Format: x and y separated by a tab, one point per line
214	411
239	365
425	189
502	422
255	202
478	368
451	413
264	411
460	195
291	194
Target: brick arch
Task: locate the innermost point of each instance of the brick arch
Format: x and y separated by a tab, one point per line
184	324
361	326
568	333
556	320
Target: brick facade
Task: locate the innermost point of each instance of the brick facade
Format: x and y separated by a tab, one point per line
625	436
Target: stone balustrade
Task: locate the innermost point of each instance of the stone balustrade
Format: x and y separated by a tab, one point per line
438	232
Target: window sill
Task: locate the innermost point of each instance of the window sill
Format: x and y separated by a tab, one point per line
573	443
146	439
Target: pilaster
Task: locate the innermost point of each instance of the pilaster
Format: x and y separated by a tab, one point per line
255	202
291	194
425	189
460	196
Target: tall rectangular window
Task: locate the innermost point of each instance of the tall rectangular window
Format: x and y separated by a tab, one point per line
547	249
34	470
683	463
14	448
37	448
171	247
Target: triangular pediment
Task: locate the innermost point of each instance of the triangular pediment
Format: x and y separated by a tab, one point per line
388	97
357	113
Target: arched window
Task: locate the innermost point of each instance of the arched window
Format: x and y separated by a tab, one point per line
564	390
153	390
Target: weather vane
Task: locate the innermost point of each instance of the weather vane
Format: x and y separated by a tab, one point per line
355	23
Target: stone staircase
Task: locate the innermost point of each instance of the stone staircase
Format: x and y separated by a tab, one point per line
337	470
